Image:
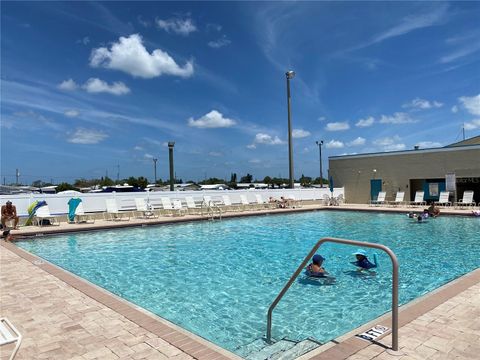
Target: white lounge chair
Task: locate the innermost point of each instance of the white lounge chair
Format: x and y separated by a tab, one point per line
380	199
443	200
293	201
43	213
178	207
419	199
261	203
192	207
144	209
467	200
169	208
113	213
81	216
246	204
9	335
228	205
399	199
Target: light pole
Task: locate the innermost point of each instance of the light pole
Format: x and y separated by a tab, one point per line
320	143
155	169
171	144
290	75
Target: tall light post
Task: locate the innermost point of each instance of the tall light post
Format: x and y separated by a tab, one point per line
290	75
320	143
171	144
155	169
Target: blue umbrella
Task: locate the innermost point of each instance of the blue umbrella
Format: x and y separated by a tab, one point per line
330	184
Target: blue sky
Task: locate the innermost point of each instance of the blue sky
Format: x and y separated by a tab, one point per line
89	88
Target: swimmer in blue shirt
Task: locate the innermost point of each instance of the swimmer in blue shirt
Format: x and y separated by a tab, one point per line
362	261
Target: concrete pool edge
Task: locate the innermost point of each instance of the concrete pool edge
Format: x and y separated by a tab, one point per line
348	344
190	343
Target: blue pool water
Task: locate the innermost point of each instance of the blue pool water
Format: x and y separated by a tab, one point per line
217	279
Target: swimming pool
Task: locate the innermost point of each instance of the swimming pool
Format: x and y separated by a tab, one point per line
217	279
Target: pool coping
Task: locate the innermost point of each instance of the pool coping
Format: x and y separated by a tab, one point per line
200	348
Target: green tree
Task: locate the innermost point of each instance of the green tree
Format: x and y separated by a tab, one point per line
64	186
247	178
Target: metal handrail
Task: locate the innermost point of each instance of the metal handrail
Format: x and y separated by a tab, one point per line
210	207
347	242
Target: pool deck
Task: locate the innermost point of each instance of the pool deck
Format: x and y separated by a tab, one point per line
64	317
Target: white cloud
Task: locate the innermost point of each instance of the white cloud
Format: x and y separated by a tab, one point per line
390	143
423	104
223	41
94	85
472	125
266	139
213	119
68	85
130	56
472	104
454	109
254	161
138	148
85	136
71	113
143	22
215	153
300	133
148	156
177	25
337	126
322	118
357	142
428	144
365	122
397	118
251	146
85	40
334	144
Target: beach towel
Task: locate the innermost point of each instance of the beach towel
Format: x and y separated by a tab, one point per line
72	206
32	209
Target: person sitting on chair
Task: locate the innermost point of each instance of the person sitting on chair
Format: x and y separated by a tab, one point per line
9	212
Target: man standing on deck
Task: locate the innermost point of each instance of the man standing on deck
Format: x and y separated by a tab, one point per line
9	212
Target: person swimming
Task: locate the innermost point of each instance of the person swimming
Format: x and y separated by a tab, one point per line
315	269
362	261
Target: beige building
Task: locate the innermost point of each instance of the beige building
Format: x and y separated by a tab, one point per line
455	167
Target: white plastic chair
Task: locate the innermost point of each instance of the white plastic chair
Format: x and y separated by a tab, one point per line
443	199
144	210
192	206
380	198
112	210
43	213
467	200
398	198
9	335
81	216
419	199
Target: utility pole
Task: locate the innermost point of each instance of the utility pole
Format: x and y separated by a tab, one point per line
17	174
171	144
320	143
118	173
155	169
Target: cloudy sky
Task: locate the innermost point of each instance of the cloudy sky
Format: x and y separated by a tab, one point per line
93	88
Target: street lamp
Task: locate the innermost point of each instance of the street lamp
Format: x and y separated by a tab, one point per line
155	169
320	143
290	75
171	144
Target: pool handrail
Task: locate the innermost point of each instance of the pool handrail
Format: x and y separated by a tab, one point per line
347	242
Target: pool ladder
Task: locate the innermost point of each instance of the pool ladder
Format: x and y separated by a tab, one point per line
347	242
211	208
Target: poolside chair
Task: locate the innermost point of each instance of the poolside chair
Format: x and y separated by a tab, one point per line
9	335
398	199
144	209
178	207
246	204
443	199
326	200
43	217
467	200
169	208
418	199
228	205
261	203
113	213
81	216
192	207
380	199
293	201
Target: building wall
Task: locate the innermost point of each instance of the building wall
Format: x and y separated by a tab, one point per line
398	168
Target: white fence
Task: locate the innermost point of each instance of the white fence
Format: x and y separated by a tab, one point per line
95	202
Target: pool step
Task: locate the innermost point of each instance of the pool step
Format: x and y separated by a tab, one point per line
281	350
